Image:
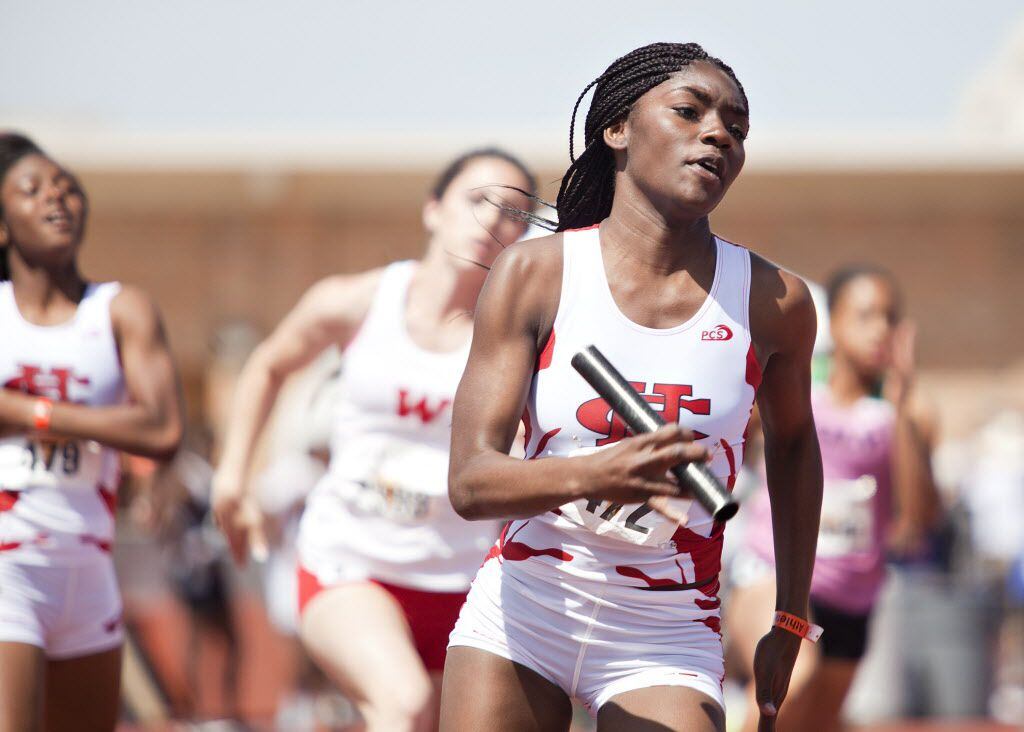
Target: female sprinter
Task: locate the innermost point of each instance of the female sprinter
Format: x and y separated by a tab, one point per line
589	593
879	493
385	562
86	371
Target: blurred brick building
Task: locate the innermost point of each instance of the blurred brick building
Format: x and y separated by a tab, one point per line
221	246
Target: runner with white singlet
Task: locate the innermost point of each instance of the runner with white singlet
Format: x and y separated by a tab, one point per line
57	505
623	559
85	372
382	511
385	562
590	593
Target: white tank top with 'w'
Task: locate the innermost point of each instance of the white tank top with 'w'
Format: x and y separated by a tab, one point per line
383	509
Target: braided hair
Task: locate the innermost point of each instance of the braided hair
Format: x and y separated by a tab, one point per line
13	147
585	196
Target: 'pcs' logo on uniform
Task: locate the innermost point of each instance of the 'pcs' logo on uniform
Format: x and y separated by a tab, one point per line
718	333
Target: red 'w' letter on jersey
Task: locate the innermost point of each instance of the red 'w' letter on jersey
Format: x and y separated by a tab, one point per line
408	405
382	510
702	374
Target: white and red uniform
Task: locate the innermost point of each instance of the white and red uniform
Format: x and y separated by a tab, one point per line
58	590
602	598
382	511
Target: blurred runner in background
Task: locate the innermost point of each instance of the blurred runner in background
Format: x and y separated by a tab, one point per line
385	561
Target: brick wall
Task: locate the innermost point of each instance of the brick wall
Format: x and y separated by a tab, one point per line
218	246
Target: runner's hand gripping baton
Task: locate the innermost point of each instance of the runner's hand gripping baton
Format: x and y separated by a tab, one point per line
641	418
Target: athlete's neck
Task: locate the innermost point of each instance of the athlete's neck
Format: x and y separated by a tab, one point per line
846	383
640	233
44	296
442	290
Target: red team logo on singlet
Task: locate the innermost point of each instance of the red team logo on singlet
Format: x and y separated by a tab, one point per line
426	412
718	333
597	416
52	384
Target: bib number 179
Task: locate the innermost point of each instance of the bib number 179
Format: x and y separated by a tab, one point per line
44	455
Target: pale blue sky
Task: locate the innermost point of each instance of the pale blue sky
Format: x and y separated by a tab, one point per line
220	66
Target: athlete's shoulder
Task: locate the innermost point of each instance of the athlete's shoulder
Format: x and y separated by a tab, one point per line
532	257
343	297
525	283
343	287
776	287
131	304
135	315
778	283
782	312
529	268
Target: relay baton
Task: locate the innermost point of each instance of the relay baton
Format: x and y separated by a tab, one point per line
641	418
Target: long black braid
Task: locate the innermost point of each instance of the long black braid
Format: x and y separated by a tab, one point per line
585	196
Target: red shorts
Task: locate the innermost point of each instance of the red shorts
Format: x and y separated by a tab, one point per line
430	615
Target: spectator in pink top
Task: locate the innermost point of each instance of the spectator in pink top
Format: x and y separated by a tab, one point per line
879	496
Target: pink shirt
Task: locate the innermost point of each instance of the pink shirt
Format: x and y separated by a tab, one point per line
856	453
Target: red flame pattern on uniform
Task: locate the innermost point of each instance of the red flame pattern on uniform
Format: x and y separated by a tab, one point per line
516	551
7	500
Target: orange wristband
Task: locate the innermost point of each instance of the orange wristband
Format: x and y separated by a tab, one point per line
42	411
797	626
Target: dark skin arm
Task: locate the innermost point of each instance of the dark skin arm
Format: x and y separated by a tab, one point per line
151	422
783	323
917	503
514	317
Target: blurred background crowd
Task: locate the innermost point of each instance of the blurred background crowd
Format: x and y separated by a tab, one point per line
235	152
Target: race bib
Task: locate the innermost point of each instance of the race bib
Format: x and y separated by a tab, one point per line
636	523
31	462
847	516
402	481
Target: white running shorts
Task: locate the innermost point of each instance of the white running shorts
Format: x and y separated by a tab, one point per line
593	647
67	611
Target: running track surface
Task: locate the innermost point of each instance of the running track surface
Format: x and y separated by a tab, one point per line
267	667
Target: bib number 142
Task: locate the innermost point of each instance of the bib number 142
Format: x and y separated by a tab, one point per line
612	510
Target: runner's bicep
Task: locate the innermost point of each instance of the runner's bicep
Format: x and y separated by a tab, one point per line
329	313
150	375
492	393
